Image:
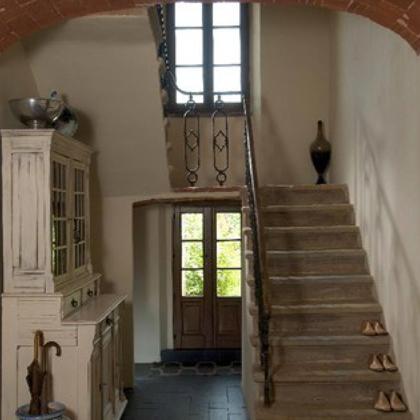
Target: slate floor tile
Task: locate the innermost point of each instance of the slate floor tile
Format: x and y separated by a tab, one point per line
185	397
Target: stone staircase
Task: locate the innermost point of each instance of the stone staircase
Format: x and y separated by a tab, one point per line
321	296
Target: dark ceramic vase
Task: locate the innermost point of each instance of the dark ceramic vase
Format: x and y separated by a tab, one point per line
321	153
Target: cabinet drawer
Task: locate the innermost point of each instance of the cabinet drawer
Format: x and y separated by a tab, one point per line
72	302
89	292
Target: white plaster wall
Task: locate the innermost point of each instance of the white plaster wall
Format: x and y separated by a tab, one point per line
376	140
295	89
152	289
16	81
107	68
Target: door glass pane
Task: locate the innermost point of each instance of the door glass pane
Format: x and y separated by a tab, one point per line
79	228
228	225
192	225
227	79
226	14
192	283
192	255
229	254
188	14
189	46
228	283
59	222
227	46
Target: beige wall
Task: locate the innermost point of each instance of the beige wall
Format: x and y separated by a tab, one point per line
152	289
290	81
295	89
107	67
16	80
376	139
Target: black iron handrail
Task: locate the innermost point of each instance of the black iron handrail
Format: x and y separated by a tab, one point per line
258	249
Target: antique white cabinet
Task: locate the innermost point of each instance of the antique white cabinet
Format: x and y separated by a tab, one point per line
49	282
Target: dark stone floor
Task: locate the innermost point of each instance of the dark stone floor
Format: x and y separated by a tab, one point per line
185	397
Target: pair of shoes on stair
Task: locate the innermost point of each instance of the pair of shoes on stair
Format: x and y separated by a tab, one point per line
373	328
382	362
393	403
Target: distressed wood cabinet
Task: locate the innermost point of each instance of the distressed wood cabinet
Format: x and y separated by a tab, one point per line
49	281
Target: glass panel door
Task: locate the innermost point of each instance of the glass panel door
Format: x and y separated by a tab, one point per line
207	277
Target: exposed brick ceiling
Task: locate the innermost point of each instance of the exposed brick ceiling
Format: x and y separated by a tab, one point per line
20	18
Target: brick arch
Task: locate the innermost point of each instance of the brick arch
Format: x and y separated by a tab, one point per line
20	18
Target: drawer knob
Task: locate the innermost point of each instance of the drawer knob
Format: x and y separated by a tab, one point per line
90	293
74	303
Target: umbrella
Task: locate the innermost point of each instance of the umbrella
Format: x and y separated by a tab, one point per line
35	377
44	396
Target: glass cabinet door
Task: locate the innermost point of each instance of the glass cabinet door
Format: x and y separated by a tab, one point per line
79	218
60	216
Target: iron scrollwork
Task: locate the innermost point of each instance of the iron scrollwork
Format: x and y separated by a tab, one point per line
220	141
192	141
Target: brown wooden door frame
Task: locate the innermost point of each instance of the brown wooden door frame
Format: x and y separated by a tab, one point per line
207	311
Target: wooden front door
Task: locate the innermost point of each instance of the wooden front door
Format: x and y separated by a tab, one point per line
207	277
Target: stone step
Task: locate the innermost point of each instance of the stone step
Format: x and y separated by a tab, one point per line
304	194
315	263
316	413
295	374
349	391
320	319
309	238
325	352
325	289
308	215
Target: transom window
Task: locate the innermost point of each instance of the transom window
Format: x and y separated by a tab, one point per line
207	51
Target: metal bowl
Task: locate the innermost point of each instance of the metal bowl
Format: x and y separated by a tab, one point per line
36	112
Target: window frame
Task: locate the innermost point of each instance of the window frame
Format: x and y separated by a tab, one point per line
208	106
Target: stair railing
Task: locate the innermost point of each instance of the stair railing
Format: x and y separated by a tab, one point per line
258	249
